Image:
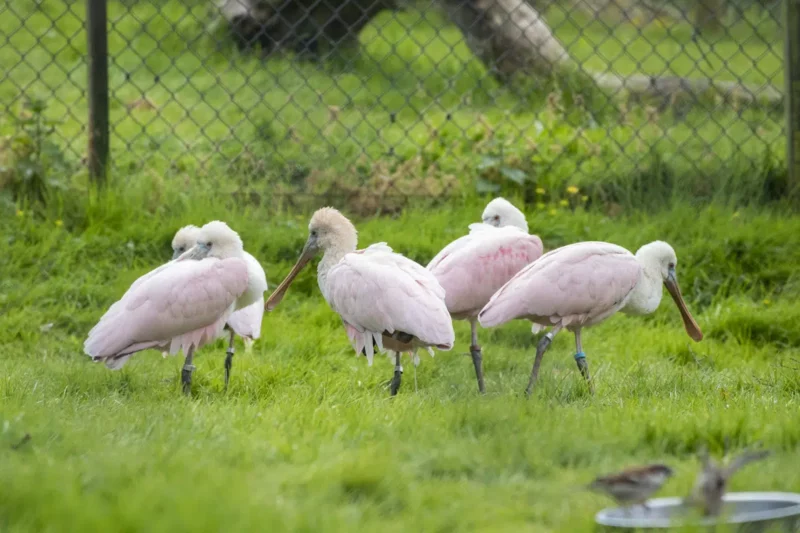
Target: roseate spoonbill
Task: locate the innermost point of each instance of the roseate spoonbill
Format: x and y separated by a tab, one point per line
245	321
385	300
582	284
473	267
181	305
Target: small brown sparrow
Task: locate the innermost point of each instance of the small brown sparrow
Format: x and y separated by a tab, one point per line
712	481
633	485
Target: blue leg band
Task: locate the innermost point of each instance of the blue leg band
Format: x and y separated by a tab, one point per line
580	355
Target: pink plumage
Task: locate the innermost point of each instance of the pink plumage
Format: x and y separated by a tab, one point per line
182	305
577	285
471	269
376	290
583	284
385	300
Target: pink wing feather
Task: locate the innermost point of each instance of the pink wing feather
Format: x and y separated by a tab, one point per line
376	290
471	269
577	285
185	304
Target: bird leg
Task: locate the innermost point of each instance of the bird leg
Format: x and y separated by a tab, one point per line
229	360
398	374
186	373
580	359
477	358
540	349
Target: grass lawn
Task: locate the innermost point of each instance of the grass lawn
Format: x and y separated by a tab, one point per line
306	438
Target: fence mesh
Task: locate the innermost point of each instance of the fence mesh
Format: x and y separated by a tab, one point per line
593	98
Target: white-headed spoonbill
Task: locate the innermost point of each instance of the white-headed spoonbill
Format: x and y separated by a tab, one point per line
473	267
245	321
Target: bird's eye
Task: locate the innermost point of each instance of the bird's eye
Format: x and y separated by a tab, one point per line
671	265
313	233
181	249
209	244
497	217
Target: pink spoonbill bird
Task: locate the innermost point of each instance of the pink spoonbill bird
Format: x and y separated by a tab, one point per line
385	300
181	305
473	267
583	284
245	321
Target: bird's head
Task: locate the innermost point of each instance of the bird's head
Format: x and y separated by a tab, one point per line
184	239
216	239
660	256
329	231
500	213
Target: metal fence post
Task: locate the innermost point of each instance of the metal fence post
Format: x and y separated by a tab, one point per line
792	74
97	47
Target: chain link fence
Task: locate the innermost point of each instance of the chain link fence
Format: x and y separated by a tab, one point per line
563	102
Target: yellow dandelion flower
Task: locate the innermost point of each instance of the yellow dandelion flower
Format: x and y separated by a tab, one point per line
540	205
767	302
59	223
20	213
564	203
584	198
540	190
572	189
553	211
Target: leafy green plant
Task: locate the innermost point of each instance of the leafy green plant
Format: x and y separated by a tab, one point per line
28	158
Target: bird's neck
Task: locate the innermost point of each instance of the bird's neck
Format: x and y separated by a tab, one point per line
646	295
331	257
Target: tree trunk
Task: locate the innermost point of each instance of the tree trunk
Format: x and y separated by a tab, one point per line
509	36
298	24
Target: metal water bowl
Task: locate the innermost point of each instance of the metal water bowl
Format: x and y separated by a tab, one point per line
746	511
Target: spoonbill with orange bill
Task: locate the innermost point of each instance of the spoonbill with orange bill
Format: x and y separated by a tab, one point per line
473	267
385	300
582	284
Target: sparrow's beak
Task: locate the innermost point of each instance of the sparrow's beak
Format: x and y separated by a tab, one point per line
688	321
309	250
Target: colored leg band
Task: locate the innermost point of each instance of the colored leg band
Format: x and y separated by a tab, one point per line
580	355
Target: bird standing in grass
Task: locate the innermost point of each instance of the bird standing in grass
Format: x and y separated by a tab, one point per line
712	481
246	321
634	485
583	284
385	300
473	267
181	305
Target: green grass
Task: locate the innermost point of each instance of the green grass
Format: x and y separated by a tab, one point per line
307	439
